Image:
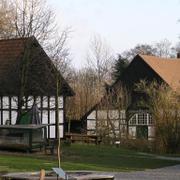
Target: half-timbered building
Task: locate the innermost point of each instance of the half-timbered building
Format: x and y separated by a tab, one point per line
135	118
25	66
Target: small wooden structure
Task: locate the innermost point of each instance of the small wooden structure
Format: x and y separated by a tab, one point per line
23	137
71	137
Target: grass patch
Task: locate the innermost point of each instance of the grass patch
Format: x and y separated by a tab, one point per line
111	159
85	157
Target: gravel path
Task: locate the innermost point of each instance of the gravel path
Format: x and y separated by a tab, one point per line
167	173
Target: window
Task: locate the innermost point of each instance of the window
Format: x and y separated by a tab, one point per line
133	119
150	119
142	118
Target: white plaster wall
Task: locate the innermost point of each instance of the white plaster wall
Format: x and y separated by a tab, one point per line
91	124
113	114
61	116
151	131
53	130
92	115
45	102
52	102
61	101
52	117
132	131
45	117
122	114
38	102
116	123
61	131
52	114
13	117
5	116
30	101
5	102
14	101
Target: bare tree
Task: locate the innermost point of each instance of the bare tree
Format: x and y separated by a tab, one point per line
85	85
22	18
6	14
111	123
144	49
100	57
58	51
164	48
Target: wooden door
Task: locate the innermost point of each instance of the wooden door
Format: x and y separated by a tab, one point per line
142	132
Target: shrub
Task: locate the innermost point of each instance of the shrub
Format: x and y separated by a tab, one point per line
142	145
164	104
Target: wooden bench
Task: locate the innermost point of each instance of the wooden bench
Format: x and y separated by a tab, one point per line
82	138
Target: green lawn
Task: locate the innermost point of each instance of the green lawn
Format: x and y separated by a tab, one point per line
84	157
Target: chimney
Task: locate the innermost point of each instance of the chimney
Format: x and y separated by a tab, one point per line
178	55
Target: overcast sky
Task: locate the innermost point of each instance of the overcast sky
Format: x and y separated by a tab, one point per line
123	23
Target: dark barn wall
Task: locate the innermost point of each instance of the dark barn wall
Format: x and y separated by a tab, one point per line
139	70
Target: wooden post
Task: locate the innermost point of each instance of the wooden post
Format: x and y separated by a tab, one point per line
57	119
42	174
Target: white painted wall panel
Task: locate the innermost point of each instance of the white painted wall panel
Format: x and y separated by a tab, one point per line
52	131
61	131
122	114
14	102
38	102
132	131
151	131
113	114
45	102
116	123
13	117
45	117
30	101
52	102
61	102
52	117
91	124
61	116
5	116
92	115
5	102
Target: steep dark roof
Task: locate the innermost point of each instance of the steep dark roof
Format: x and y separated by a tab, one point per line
40	71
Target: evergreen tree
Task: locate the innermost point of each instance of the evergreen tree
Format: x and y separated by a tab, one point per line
119	67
